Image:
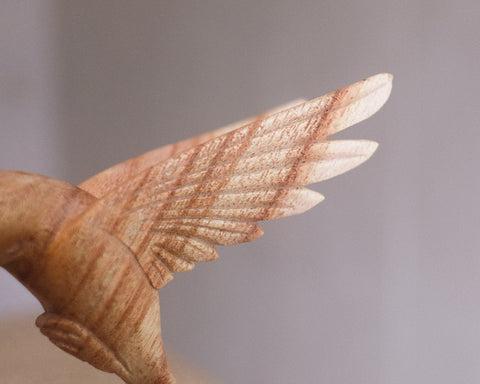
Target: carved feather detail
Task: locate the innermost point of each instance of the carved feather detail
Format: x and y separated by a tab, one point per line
75	339
94	255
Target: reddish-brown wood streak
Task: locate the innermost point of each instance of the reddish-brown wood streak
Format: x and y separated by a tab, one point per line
95	255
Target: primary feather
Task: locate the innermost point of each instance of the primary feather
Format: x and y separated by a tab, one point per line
172	213
94	256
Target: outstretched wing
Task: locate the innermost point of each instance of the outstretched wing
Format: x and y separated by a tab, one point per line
173	213
107	180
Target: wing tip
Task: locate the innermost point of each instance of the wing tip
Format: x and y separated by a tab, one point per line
380	86
304	202
357	102
359	152
256	233
382	77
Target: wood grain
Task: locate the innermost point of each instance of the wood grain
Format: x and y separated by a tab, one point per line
95	255
28	358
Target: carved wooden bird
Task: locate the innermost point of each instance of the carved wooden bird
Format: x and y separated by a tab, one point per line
95	254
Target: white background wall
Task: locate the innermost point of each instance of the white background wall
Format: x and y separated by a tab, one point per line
378	284
30	135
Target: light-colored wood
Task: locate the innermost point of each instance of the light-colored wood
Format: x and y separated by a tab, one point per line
115	176
26	357
95	255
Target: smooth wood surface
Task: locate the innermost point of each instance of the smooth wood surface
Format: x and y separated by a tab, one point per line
95	255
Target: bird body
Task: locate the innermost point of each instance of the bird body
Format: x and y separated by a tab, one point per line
95	254
89	283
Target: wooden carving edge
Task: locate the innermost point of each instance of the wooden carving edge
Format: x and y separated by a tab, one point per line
82	343
94	256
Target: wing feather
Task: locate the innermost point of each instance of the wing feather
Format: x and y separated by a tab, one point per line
319	162
106	181
173	213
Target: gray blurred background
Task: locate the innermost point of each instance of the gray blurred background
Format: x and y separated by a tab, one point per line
378	284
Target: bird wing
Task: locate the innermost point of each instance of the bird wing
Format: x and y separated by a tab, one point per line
172	214
107	180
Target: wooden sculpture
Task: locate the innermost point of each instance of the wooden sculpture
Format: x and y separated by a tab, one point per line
95	255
